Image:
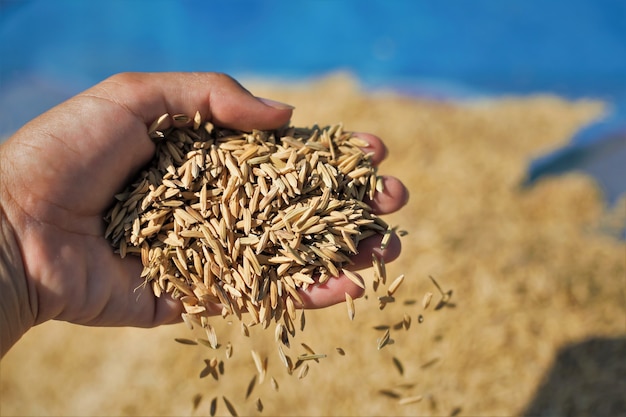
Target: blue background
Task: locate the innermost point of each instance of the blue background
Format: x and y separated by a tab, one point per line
446	49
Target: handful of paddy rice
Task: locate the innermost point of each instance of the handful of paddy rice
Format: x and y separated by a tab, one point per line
244	221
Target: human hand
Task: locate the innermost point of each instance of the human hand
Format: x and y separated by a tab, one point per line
59	172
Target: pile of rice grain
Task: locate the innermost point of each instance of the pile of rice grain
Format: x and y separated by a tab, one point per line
246	220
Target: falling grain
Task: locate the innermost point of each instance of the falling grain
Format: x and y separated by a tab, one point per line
406	321
197	398
410	400
212	336
251	385
184	341
389	393
398	365
261	365
380	273
244	329
203	177
314	357
230	407
274	384
304	370
302	321
248	221
386	238
284	358
426	300
354	278
350	306
395	284
384	340
213	407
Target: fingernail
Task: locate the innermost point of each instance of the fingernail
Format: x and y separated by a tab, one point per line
276	104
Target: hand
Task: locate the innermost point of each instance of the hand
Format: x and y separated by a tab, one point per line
57	178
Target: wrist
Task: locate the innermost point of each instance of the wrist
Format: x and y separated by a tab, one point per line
16	311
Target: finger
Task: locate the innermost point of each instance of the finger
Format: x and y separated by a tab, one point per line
166	311
392	198
330	293
372	245
218	98
375	145
394	194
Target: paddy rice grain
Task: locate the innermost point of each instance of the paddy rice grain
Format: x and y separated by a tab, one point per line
222	217
239	223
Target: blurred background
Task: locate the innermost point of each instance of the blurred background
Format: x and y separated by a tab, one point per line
480	103
447	49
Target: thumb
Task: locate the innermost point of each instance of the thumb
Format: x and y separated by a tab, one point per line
218	97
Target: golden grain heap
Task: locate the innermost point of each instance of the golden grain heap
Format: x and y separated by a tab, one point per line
246	220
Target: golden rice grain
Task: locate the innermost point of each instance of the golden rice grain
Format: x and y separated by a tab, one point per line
197	119
157	124
274	384
380	273
302	320
398	365
211	335
251	385
184	183
389	393
313	357
395	284
197	398
354	278
229	407
426	300
184	341
406	321
261	365
386	238
213	407
350	306
284	358
384	340
244	329
304	370
308	348
410	400
247	221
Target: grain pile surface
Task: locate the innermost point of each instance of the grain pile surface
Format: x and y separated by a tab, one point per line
535	322
247	220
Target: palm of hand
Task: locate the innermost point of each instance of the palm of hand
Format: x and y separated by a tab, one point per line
73	170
